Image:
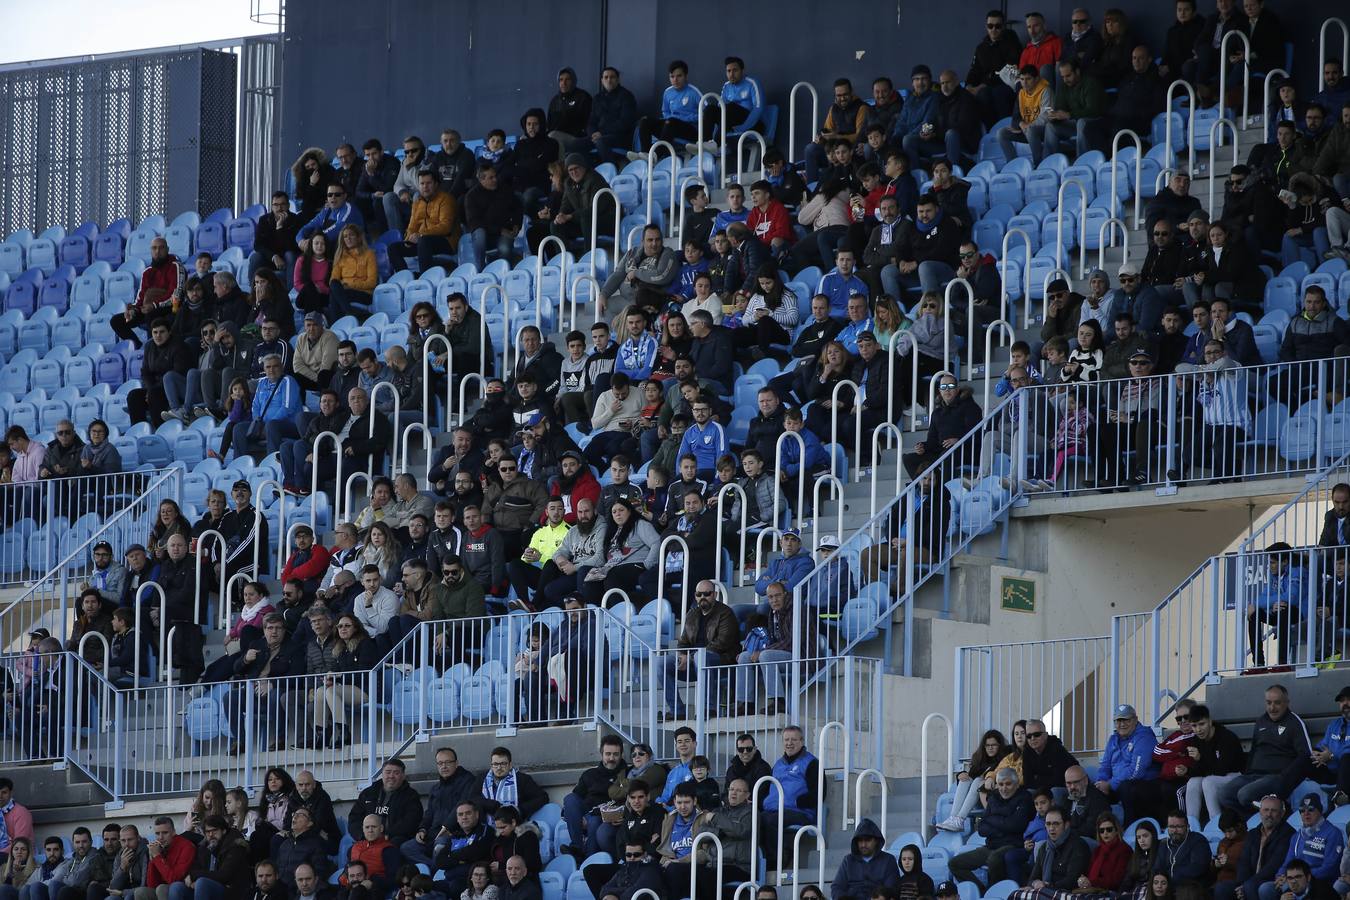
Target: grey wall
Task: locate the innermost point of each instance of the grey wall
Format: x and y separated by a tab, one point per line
355	69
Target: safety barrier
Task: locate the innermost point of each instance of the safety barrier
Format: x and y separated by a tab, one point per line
703	103
31	682
50	602
1190	122
651	173
1265	97
1138	173
1322	47
792	116
1223	79
1215	142
923	761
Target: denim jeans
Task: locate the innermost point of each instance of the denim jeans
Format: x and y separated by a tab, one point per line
1307	247
414	851
749	672
202	889
917	148
673	676
504	246
582	825
175	388
395	211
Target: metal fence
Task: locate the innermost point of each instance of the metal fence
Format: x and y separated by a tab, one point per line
30	683
56	549
1064	683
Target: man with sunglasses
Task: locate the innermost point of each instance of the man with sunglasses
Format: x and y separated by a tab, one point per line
1045	759
1174	764
637	872
710	637
336	213
999	49
748	765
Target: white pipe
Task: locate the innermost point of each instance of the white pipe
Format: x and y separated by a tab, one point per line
880	779
695	868
1006	330
258	518
970	314
290	536
197	577
1108	225
1059	232
797	858
651	171
595	226
740	154
1223	78
801	472
891	431
1218	126
684	186
1026	271
923	766
661	575
1322	49
627	630
1138	172
837	496
229	588
847	739
1265	98
464	383
347	493
792	116
426	379
754	820
539	282
572	293
721	505
773	535
103	689
500	291
857	417
913	385
163	624
403	446
721	140
1190	118
370	433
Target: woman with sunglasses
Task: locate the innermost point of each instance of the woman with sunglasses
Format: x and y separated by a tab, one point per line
644	768
1110	859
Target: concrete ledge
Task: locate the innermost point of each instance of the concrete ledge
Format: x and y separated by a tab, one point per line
1269	491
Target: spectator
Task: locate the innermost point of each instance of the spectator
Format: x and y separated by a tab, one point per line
1140	94
505	785
275	408
1317	844
160	284
132	861
954	416
1110	858
769	315
492	215
333	218
580	806
742	99
1035	103
454	785
1045	759
518	885
928	249
62	457
1007	813
773	656
392	799
844	120
1316	332
467	842
1263	852
171	858
572	221
149	403
1279	740
528	573
651	264
709	636
275	235
107	577
267	886
1082	802
316	354
1043	47
866	868
1084	45
1127	761
1179	47
1058	861
221	868
1184	857
999	50
433	228
637	872
309	274
310	794
99	456
1173	203
354	276
568	113
378	177
376	852
768	220
454	162
613	113
308	886
976	780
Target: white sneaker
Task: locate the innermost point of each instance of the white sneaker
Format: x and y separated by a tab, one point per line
710	146
634	156
952	823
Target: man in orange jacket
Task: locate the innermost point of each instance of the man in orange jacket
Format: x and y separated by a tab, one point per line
433	227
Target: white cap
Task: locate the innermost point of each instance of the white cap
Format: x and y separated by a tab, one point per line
829	540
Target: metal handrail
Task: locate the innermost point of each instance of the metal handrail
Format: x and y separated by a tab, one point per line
891	431
1101	241
1138	172
880	779
403	446
314	479
1223	75
506	308
661	574
721	498
1218	126
695	867
970	310
258	518
1026	271
792	115
1265	97
923	765
163	620
754	819
684	187
1059	236
572	293
449	377
1190	122
370	433
837	497
740	154
802	832
1322	48
651	172
347	492
721	141
801	473
595	229
1007	332
539	282
197	576
481	380
229	590
857	419
832	725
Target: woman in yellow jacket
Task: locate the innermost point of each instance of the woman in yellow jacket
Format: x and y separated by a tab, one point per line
433	227
353	278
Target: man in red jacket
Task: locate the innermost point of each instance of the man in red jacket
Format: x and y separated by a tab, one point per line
161	282
574	483
309	561
769	220
171	858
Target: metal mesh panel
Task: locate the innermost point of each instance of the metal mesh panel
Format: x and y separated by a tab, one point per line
90	141
259	111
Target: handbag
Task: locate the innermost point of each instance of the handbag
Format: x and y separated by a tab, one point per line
255	428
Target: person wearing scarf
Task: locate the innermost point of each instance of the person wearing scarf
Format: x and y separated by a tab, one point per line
1058	862
505	785
99	456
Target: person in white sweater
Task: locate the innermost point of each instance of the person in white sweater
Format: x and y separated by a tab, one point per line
376	606
616	411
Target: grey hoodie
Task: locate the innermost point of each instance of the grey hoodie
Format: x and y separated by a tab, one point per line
583	549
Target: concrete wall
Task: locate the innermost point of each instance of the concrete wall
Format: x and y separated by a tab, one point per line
355	69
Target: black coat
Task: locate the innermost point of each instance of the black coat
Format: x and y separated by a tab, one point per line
1046	768
990	57
952	421
401	811
1070	861
593	785
446	795
320	807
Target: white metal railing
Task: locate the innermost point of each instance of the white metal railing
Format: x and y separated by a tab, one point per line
703	103
1138	174
923	763
792	115
538	290
1223	75
1265	97
1190	123
1109	226
1026	272
1322	48
1060	258
49	602
1215	141
740	154
651	172
684	187
595	235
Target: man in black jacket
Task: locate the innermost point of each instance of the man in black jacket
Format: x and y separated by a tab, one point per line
1005	818
222	859
274	237
263	658
699	530
377	179
873	373
1279	740
163	354
266	885
454	163
1336	522
712	350
999	49
747	255
310	794
505	785
453	786
393	800
467	842
958	111
927	250
767	426
177	576
492	215
613	117
364	447
588	833
568	113
748	765
1140	95
1045	759
1263	853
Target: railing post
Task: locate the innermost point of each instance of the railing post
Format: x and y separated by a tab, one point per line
1114	650
67	662
1169	441
600	652
1321	413
1313	584
1218	573
1155	663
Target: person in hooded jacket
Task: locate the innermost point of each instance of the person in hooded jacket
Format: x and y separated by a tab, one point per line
568	113
533	152
222	870
954	416
612	119
865	867
914	882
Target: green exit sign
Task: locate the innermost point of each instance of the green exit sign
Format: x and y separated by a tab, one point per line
1017	594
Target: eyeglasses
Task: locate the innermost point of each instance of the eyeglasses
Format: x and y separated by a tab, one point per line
993	26
1162	234
64	431
1033	735
632	856
335	194
745	749
947	386
705	593
506	468
1107	829
969	254
1138	362
1079	21
454	572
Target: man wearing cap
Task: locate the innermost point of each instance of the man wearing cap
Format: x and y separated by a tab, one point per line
239	526
1128	758
316	353
109	578
834	584
1317	842
572	222
1173	203
946	889
916	125
651	264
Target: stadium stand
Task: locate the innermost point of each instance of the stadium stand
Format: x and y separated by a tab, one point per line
499	436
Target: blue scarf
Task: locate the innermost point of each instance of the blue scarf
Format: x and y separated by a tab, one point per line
924	228
502	790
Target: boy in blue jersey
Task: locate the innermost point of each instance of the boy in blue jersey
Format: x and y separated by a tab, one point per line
743	101
679	112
